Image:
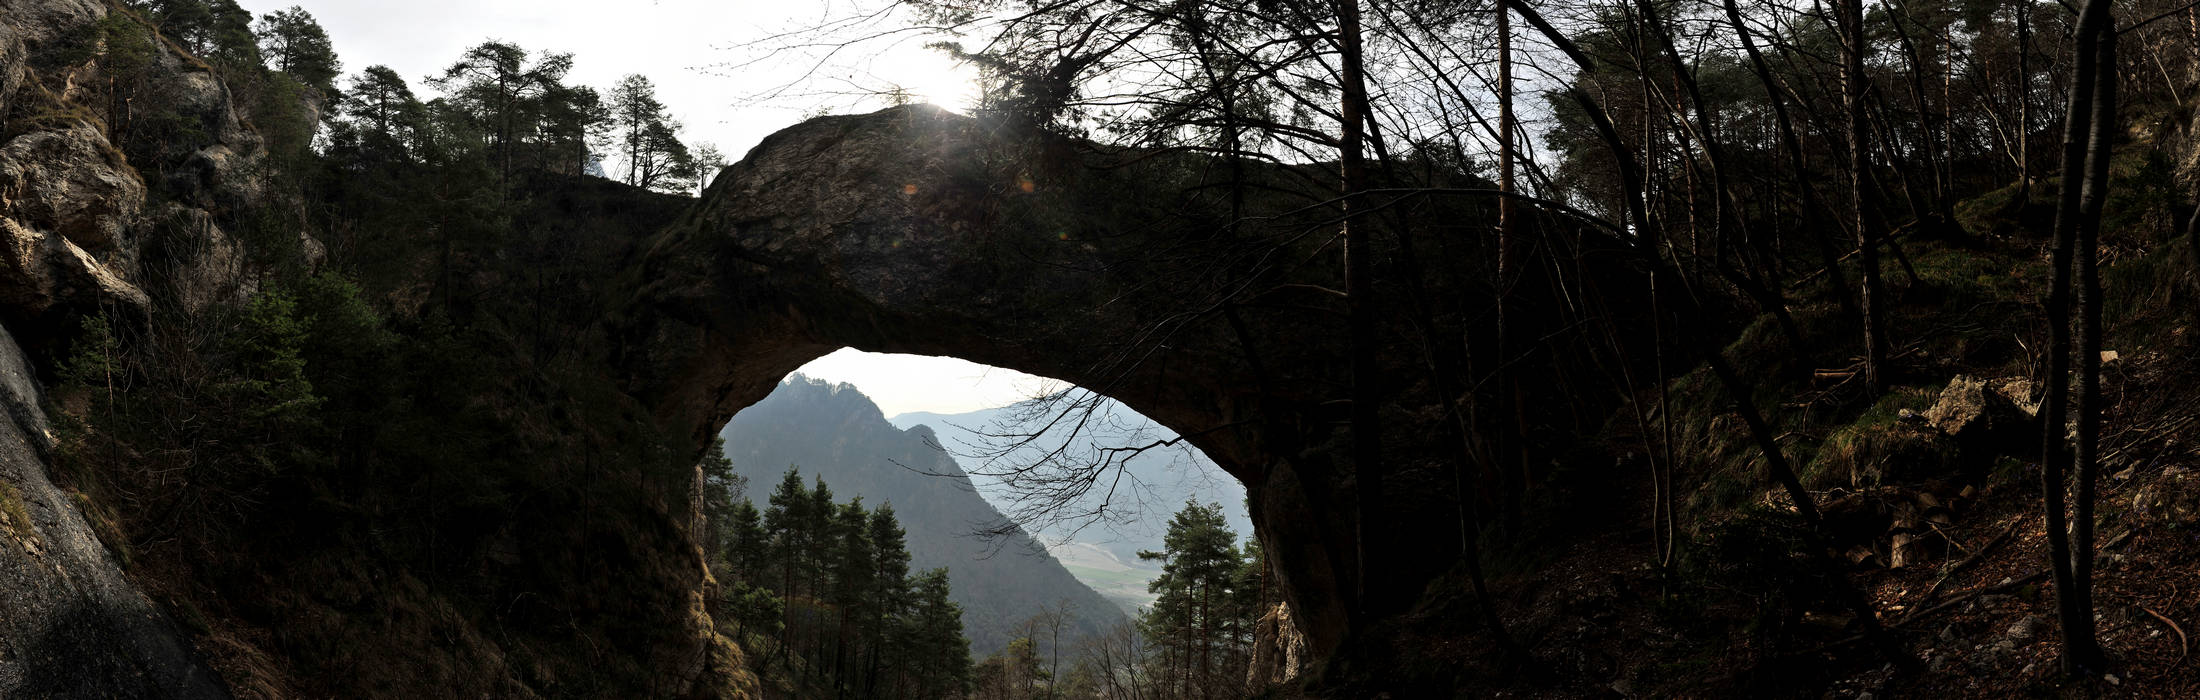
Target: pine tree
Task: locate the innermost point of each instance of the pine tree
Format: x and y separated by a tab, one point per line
379	121
940	656
506	95
855	588
785	522
883	640
721	488
292	42
217	30
655	158
1197	621
747	547
753	607
705	165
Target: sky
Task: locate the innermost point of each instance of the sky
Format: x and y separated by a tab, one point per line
708	58
711	62
909	383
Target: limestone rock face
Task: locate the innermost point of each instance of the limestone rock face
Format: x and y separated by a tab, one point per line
67	205
65	182
74	626
915	230
1279	651
76	235
38	22
75	229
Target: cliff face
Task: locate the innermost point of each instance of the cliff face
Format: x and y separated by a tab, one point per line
74	232
71	624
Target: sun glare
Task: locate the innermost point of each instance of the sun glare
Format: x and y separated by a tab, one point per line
925	75
905	383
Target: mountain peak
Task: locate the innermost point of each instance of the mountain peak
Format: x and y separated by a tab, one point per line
840	398
834	432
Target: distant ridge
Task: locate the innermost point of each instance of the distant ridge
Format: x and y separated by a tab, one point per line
1166	479
834	431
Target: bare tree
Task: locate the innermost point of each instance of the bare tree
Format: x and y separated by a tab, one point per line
2089	127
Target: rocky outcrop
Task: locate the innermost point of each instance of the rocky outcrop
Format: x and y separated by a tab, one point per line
915	230
67	207
75	229
1279	651
1987	417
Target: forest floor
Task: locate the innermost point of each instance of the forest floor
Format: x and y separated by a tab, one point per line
1738	612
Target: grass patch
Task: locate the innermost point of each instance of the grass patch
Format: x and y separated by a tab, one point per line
1878	448
13	514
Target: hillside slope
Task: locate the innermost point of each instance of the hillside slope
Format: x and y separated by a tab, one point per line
1156	483
835	432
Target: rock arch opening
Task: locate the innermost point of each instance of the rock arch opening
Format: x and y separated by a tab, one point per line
1132	274
913	231
1022	489
1076	469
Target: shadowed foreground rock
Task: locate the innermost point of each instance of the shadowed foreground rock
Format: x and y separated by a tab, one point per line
71	626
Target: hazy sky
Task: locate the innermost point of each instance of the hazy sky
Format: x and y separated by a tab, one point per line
905	383
710	71
702	54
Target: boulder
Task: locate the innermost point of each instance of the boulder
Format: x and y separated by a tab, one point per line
67	203
70	182
1986	418
39	271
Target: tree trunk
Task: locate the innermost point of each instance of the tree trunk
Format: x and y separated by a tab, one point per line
1367	452
1511	436
1853	87
1776	463
2076	212
2088	655
2024	107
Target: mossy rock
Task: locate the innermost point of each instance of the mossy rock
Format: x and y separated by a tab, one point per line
1890	443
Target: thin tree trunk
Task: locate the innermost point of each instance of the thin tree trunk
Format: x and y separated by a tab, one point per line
1812	207
1511	437
2074	214
1724	215
1739	388
2088	655
1853	87
1445	368
1367	452
2024	107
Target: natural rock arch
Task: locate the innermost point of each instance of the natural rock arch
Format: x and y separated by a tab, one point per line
914	230
1138	274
